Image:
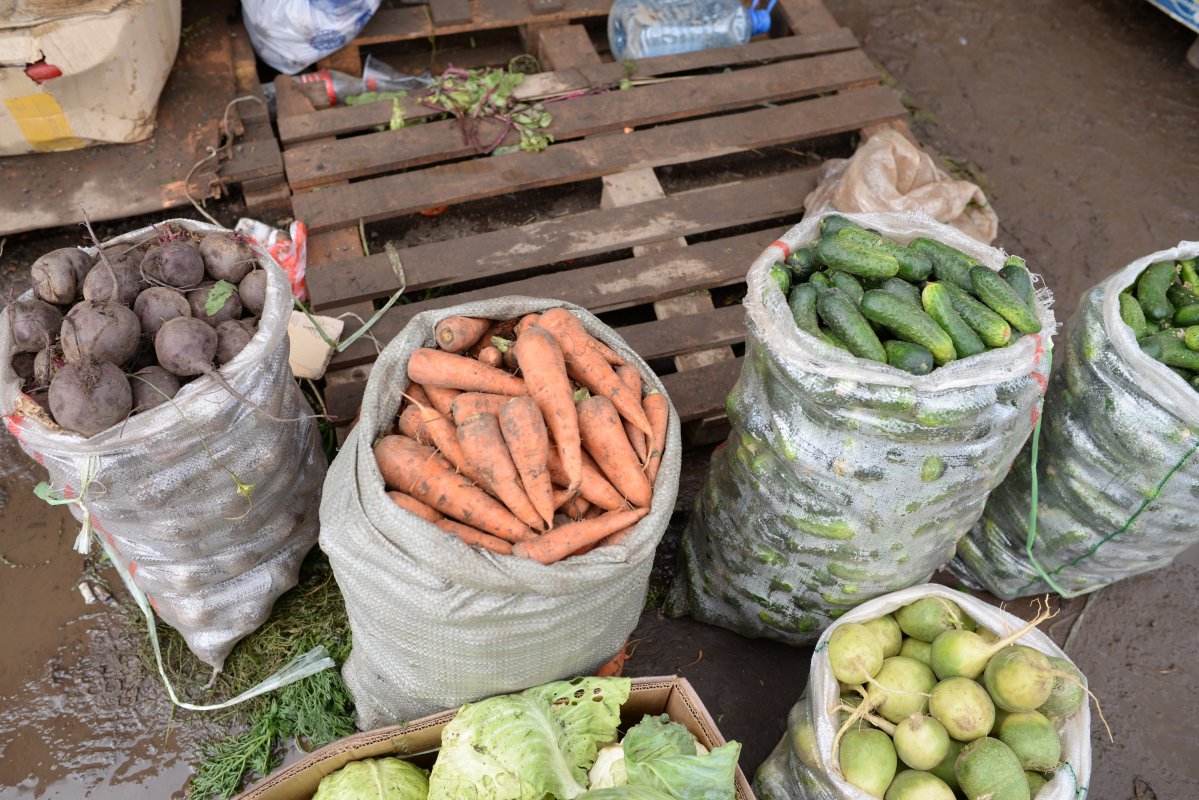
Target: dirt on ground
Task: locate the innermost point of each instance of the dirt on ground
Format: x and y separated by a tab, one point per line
1080	119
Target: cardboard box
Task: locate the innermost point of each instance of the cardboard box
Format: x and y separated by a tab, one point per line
419	740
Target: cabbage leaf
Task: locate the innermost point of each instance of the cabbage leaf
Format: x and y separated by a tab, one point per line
662	755
375	779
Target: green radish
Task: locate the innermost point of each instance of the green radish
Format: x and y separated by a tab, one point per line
1000	716
888	633
867	760
963	707
945	770
1067	693
965	654
1019	678
1036	782
1033	739
855	654
921	742
914	648
928	617
987	769
916	785
803	742
900	689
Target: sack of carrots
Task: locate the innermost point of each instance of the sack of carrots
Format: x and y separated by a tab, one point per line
492	519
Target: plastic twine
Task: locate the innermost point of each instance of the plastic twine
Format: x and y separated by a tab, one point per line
56	497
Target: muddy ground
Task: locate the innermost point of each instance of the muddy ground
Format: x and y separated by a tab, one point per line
1082	120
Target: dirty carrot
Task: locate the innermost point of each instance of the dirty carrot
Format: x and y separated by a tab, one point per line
502	329
431	367
475	537
412	425
576	507
491	356
455	334
525	322
483	444
416	394
658	412
564	540
468	404
409	503
419	471
587	365
593	486
604	437
442	434
541	363
529	444
630	376
562	496
442	399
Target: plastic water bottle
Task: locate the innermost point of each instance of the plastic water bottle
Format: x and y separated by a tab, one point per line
648	28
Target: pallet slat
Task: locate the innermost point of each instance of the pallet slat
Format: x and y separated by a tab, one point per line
393	195
414	22
696	392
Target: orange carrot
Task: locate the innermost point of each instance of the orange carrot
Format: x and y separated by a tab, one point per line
503	329
419	471
593	486
525	322
658	412
409	503
491	356
562	496
455	334
566	539
483	444
416	394
587	365
468	404
631	377
442	434
616	538
412	425
442	399
475	536
603	436
431	368
576	507
542	365
529	444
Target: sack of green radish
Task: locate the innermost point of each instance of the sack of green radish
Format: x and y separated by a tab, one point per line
931	694
1116	464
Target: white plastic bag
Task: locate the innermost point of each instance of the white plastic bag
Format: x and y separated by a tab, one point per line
844	479
1117	471
438	623
290	35
801	766
162	488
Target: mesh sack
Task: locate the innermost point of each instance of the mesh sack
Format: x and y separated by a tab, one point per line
163	486
801	767
1117	477
843	479
437	623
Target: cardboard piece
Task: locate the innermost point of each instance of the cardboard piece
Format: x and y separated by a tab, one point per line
310	354
420	740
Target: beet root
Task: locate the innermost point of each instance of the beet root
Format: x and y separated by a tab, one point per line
98	283
232	338
58	275
185	346
157	305
90	396
176	263
252	291
227	256
100	328
197	299
152	386
24	365
34	324
46	365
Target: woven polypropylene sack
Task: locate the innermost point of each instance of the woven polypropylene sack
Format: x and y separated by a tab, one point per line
437	623
164	489
842	478
802	766
1117	475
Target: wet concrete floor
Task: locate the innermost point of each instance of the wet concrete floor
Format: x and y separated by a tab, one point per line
1084	120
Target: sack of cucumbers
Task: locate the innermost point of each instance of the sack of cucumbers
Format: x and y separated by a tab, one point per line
931	694
1116	469
863	443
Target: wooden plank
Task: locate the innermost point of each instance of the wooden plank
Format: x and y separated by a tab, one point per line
413	22
700	393
551	241
807	16
450	12
252	159
565	46
346	159
348	60
394	195
348	119
605	287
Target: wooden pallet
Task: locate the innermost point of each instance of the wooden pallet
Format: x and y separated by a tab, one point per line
813	82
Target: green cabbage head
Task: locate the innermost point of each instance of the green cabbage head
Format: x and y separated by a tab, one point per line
375	779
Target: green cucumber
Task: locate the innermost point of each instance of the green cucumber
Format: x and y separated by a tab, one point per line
781	277
1001	298
1181	296
909	324
820	280
803	308
1191	337
903	290
834	223
990	327
913	266
1152	347
1133	315
938	305
803	263
830	338
1177	354
848	284
1188	270
1187	316
840	313
1152	287
847	254
949	263
909	357
1020	279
